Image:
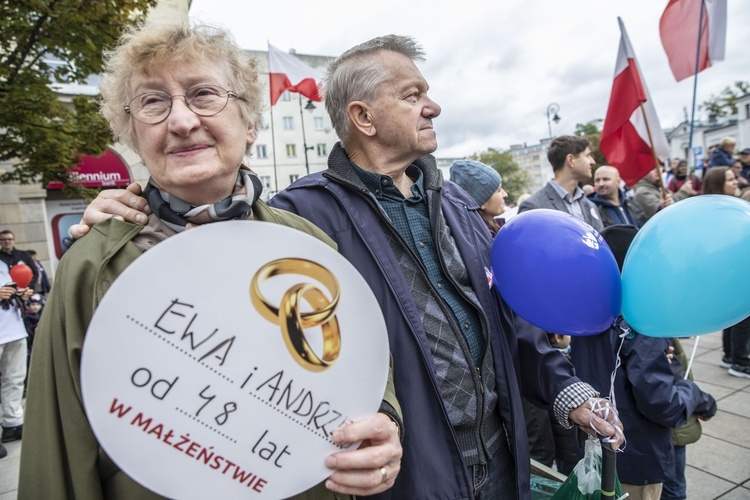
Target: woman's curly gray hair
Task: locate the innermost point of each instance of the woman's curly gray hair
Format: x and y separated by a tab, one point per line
155	45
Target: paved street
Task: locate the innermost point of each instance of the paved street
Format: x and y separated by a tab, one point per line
718	464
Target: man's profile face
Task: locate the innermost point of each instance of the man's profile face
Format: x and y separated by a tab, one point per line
607	182
583	162
653	176
403	112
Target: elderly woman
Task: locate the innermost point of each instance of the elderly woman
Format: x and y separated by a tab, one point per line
187	99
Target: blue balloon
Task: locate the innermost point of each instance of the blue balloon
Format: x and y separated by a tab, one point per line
682	275
557	273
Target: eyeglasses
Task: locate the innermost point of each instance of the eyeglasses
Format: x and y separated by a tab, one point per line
203	100
7	239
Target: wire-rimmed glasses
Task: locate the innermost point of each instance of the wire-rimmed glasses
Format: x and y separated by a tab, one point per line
203	100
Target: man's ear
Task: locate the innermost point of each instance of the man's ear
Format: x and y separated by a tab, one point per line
250	134
360	117
569	159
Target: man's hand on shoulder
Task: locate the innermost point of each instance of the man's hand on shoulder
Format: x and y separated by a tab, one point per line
124	204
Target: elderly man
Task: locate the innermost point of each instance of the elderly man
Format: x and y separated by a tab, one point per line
423	248
614	207
571	160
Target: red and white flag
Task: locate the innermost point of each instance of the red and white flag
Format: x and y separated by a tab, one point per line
286	72
679	34
631	126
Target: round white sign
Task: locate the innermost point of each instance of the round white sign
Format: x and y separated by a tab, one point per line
218	364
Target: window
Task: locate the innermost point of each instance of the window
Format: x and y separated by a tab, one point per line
318	122
266	181
291	150
286	96
293	178
321	148
263	123
260	151
288	123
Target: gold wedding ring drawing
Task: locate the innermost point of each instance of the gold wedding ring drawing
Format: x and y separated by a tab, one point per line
293	322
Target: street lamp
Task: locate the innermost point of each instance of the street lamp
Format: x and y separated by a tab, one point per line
552	110
309	107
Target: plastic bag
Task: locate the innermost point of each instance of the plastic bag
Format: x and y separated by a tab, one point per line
586	479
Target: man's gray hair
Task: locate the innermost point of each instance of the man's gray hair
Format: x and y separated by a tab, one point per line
356	76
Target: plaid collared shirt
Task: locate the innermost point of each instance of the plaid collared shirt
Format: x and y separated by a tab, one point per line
410	217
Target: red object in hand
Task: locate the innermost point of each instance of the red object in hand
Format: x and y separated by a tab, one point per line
21	274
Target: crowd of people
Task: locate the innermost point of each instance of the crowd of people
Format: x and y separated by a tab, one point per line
658	407
468	377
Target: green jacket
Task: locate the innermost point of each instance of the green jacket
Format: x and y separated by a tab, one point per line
60	456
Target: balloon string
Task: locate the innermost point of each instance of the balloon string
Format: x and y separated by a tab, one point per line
692	357
618	361
605	409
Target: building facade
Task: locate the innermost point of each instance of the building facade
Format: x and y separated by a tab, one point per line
295	135
711	132
533	159
294	138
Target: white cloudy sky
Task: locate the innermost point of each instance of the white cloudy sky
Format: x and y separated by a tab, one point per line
495	66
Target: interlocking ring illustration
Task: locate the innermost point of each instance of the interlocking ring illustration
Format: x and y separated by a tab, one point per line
292	321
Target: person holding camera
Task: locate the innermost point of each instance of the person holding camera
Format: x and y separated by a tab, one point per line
12	355
13	256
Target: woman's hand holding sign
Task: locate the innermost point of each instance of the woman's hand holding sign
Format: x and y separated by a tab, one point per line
374	466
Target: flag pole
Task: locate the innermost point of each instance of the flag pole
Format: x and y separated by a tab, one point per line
273	150
695	89
653	152
273	133
645	121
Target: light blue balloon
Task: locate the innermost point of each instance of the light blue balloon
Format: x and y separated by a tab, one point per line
683	275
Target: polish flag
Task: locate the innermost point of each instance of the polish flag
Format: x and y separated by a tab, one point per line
631	126
679	34
286	72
